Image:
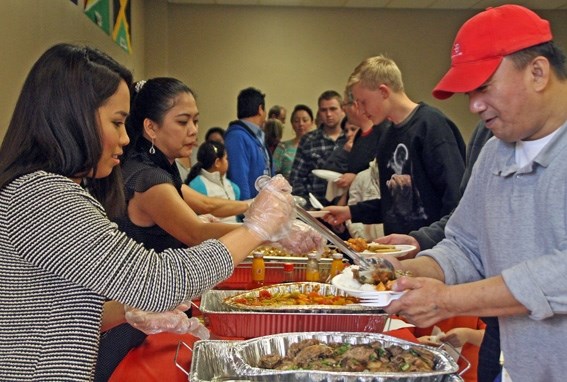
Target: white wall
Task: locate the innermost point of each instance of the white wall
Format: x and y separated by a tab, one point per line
293	54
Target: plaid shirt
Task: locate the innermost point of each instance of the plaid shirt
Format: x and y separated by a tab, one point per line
314	149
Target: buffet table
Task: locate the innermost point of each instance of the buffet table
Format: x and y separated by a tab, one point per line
154	359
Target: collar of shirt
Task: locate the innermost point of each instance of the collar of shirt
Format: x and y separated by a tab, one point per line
215	176
255	129
260	136
507	165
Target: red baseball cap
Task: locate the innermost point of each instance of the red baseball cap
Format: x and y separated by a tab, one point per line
484	40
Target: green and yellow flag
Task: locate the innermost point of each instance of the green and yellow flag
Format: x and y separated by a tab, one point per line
99	12
121	33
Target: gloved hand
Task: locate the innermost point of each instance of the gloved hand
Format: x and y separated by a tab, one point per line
208	218
302	239
271	213
174	321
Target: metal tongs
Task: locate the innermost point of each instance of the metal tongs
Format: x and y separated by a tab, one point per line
366	265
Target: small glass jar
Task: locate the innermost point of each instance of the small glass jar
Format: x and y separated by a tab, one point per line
337	265
288	273
258	270
312	268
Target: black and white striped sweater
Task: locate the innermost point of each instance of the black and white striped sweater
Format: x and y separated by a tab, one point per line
60	259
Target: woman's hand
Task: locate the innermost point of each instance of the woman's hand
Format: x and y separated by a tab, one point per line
302	239
174	321
272	212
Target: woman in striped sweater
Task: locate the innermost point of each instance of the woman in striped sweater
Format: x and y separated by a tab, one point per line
61	256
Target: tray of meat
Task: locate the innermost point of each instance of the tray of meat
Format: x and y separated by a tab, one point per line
226	322
321	356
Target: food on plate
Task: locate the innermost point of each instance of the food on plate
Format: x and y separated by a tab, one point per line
361	245
382	278
378	248
357	244
313	354
271	299
367	280
268	250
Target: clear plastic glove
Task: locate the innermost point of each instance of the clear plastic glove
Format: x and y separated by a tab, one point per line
273	210
302	239
208	218
174	321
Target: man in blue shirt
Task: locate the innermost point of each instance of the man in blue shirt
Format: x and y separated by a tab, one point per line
244	141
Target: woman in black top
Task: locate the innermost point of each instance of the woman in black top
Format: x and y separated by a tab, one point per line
162	126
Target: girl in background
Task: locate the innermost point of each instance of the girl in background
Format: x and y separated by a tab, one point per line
208	175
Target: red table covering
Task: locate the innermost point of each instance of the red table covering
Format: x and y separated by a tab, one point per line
154	360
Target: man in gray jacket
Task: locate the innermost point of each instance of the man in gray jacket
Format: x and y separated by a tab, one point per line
505	252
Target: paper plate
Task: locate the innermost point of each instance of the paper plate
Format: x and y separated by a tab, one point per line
329	175
371	297
400	250
318	214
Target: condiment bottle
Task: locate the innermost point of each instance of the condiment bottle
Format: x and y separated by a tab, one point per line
258	270
337	265
312	268
288	273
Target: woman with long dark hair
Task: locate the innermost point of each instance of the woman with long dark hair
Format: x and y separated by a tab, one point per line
61	257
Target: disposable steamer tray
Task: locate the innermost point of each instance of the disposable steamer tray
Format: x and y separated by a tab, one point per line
221	360
225	322
301	287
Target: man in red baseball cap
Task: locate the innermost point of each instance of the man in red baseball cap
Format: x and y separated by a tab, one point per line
484	41
505	252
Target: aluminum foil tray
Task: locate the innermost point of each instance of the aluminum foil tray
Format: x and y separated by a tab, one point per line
227	323
302	287
225	360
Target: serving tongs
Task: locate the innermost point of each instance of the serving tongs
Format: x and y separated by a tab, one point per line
367	266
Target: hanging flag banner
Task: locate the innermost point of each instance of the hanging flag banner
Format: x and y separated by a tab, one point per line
121	32
99	12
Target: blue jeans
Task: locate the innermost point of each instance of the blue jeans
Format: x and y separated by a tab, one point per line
489	354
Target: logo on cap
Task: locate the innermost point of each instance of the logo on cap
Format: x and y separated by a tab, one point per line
456	50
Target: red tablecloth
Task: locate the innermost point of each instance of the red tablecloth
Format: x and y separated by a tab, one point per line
154	360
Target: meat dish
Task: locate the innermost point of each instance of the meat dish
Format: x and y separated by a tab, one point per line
314	354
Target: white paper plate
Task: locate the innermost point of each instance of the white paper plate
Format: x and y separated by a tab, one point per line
318	214
345	282
329	175
401	250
